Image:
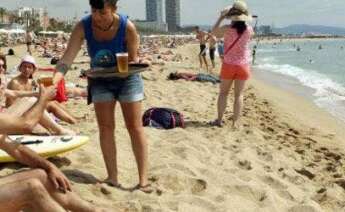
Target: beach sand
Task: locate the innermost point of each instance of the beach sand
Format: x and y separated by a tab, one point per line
287	156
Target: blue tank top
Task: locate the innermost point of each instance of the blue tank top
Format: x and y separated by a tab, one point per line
103	53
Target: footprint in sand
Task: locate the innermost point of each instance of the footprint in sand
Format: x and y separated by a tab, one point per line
293	178
199	204
247	192
198	185
245	164
180	184
84	159
266	156
306	173
278	186
179	152
305	208
182	168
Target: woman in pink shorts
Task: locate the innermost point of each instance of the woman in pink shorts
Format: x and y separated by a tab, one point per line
236	64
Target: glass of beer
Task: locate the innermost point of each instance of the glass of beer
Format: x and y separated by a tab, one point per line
122	62
46	81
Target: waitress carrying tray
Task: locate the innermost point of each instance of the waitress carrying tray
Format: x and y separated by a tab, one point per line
133	68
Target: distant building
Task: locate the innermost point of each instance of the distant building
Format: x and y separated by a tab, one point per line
265	30
154	10
28	13
5	18
172	14
151	25
45	20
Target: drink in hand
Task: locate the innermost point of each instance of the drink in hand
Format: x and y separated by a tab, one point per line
122	62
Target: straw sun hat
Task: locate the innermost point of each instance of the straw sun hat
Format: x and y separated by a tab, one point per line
238	11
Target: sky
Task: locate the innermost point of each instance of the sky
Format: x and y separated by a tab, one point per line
278	13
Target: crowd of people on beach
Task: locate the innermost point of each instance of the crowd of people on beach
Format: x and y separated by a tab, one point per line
30	107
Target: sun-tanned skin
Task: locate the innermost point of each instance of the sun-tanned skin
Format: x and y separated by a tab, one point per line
45	188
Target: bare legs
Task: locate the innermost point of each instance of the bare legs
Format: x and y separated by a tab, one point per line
132	116
202	59
21	105
106	123
33	190
105	113
225	87
60	112
238	103
213	64
28	49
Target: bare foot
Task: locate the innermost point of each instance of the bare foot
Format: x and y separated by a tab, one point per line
236	125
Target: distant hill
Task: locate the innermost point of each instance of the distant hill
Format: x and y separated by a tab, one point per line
298	29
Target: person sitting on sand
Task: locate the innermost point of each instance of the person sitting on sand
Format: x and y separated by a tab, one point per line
45	187
201	36
102	27
24	82
236	64
24	100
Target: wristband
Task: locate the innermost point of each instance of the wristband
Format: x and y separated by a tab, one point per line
62	68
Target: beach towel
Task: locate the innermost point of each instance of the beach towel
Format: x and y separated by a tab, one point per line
207	78
194	77
163	118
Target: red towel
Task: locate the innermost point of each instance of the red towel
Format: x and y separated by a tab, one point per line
61	92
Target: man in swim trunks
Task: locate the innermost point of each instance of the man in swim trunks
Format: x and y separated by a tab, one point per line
212	42
28	39
201	36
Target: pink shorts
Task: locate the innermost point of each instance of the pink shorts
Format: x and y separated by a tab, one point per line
235	72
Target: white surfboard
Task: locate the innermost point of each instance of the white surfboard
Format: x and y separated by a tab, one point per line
46	146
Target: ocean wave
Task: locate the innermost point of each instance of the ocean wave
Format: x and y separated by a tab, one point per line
275	50
326	89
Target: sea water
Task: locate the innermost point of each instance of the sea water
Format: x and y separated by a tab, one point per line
314	69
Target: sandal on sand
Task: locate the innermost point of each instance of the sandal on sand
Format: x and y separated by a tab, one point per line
215	123
146	188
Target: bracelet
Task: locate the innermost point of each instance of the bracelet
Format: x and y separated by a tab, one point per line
62	68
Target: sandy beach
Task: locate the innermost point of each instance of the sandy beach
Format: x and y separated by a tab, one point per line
288	154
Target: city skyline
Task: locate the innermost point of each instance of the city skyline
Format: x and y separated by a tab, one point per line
278	13
154	10
173	14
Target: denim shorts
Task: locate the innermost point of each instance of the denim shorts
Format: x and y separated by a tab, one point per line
130	89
